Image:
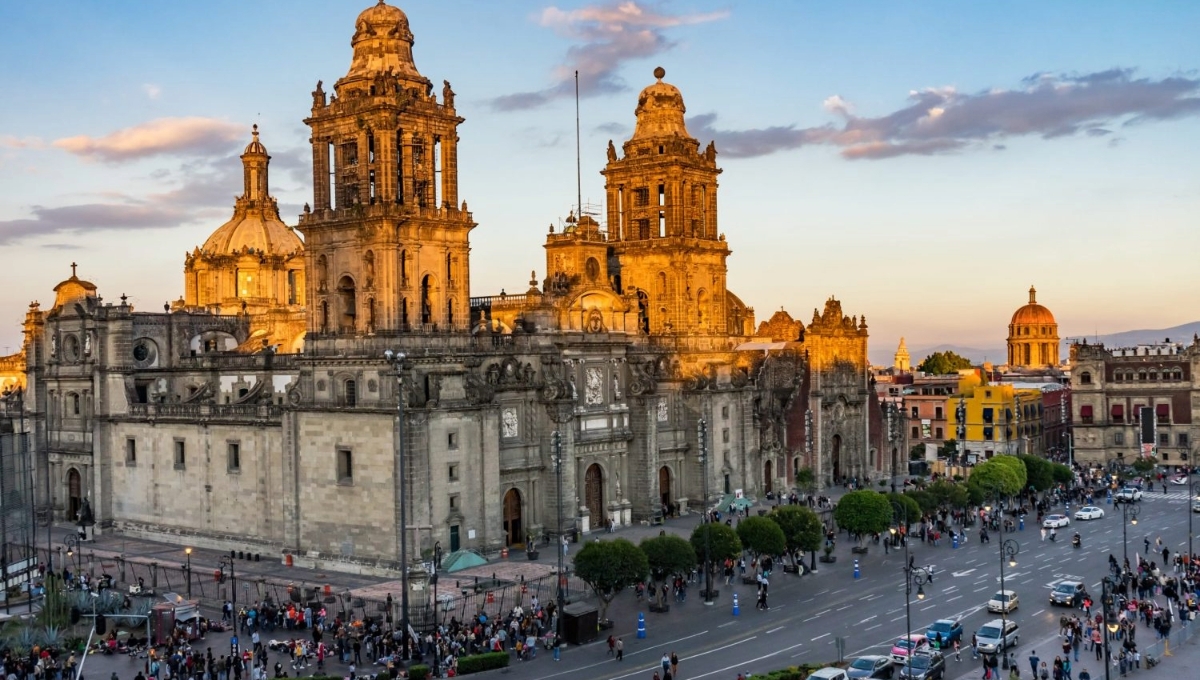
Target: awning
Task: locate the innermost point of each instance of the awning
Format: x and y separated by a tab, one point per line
1162	410
1086	410
1118	411
462	559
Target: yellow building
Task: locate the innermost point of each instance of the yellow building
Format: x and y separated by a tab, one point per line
999	419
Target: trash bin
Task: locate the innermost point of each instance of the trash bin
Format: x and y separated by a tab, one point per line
580	623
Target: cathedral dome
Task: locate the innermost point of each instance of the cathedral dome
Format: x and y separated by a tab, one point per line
382	43
660	110
262	233
255	146
73	289
1033	314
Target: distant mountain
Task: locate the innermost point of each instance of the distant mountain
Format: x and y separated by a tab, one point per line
1183	334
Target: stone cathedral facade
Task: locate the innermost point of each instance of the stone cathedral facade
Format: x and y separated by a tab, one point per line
259	412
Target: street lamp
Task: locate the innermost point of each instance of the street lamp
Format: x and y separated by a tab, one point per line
1128	510
918	576
560	407
1194	492
437	625
702	444
1008	552
188	551
224	562
396	359
1110	621
72	543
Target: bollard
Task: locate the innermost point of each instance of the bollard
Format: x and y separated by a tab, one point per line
736	610
641	631
857	573
1021	524
954	541
1109	501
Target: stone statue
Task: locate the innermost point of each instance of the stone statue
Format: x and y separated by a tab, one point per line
87	344
447	95
53	346
617	478
370	269
318	96
612	151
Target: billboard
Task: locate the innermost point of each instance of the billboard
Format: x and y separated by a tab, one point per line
1148	431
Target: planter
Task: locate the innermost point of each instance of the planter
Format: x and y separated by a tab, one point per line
606	624
656	609
532	555
749	581
827	559
791	569
859	550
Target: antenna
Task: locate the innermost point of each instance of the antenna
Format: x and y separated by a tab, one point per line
578	172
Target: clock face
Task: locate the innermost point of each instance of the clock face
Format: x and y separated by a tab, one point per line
141	352
145	352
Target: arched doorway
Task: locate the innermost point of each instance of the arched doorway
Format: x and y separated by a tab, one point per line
664	489
768	476
427	299
835	457
512	518
348	295
593	494
74	494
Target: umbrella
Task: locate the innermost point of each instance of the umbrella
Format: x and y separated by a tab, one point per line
729	503
462	559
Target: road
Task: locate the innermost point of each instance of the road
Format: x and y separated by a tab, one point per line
809	613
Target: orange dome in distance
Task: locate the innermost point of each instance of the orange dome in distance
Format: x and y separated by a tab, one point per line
1033	314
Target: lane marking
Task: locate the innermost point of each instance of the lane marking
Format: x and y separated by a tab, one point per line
820	636
775	629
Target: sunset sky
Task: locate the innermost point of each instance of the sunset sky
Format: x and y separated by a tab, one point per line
925	162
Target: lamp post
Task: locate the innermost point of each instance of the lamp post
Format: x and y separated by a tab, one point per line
72	543
1128	509
224	562
396	360
918	576
1194	491
188	551
702	444
437	625
1008	551
560	407
1110	621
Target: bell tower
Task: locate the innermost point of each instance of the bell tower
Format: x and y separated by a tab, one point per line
662	220
386	238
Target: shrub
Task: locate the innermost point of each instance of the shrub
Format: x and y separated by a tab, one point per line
482	662
418	672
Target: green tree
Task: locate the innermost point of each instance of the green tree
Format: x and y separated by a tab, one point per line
926	500
1003	475
1038	472
910	508
1018	468
943	363
608	567
668	555
801	528
863	512
723	542
948	494
1144	465
805	479
762	537
1061	474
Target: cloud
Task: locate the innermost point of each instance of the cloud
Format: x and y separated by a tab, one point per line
611	128
73	219
607	36
152	91
61	246
163	136
11	142
943	120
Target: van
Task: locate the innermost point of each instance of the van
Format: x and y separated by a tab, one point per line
997	635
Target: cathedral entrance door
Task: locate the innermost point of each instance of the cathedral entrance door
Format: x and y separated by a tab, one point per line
593	494
512	517
74	494
835	457
664	488
767	476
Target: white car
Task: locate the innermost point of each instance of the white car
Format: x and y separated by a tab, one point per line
829	673
1003	602
1180	480
1128	495
1089	512
1056	521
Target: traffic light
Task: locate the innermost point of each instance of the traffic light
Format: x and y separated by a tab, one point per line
101	624
75	615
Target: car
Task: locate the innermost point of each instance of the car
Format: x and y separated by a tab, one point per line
871	667
1089	512
1196	506
1068	593
1056	521
1003	602
915	642
949	629
1179	479
997	635
829	673
1128	494
924	666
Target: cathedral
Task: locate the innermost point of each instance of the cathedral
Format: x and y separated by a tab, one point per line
261	412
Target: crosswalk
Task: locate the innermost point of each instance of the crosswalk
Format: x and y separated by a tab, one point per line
1177	496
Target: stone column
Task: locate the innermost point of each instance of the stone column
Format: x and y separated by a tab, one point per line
320	174
450	169
406	167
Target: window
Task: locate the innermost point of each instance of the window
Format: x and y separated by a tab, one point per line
1164	438
1163	412
345	466
1182	438
350	389
916	412
916	432
453	502
988	433
1118	413
938	414
452	472
937	433
1118	376
988	415
1085	414
74	404
180	454
725	435
641	197
131	452
452	440
1119	438
233	456
725	412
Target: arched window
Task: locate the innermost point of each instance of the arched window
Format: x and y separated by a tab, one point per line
1085	378
348	294
350	393
403	267
74	403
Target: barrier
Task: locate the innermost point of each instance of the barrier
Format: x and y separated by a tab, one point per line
641	631
857	573
736	610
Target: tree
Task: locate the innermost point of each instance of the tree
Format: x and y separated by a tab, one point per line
805	479
863	512
1144	465
1061	474
608	567
801	528
948	494
761	536
668	555
723	542
926	500
1004	475
1038	472
910	511
943	363
1018	468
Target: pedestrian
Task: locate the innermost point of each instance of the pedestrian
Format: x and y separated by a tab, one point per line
674	664
1146	550
612	645
1033	663
957	655
974	646
1043	534
620	649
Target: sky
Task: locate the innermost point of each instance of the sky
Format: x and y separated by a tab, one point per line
924	162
